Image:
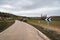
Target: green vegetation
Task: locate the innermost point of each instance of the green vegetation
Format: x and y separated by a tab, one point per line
7	20
52	34
56	18
53	23
49	33
5	24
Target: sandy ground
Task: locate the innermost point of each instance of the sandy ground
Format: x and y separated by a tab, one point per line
22	31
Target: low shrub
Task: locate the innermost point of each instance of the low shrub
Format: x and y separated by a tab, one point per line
5	24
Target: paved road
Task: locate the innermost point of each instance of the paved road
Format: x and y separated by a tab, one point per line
22	31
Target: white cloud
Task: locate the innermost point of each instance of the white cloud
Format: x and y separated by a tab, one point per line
6	6
32	12
38	11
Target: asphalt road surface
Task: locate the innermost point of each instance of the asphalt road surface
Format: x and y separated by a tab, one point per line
22	31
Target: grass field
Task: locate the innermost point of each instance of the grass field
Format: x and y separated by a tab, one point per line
53	23
49	33
52	34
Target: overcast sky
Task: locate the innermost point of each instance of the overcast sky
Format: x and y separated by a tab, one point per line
31	7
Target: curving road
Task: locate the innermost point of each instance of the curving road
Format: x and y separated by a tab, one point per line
22	31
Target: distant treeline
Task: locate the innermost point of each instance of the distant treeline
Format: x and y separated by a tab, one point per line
6	15
56	18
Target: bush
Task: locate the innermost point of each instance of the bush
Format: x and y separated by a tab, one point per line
5	24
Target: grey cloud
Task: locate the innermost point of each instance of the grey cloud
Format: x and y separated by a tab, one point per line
30	5
51	13
43	3
55	13
36	3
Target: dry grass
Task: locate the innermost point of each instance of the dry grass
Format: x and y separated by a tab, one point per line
53	35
